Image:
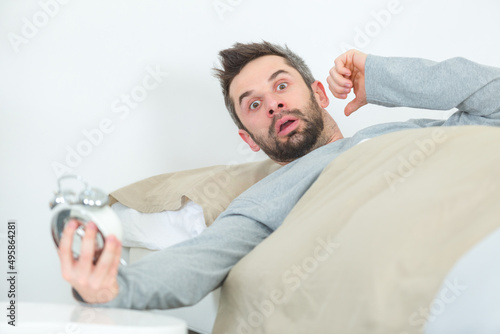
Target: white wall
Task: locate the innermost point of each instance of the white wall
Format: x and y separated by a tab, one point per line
69	74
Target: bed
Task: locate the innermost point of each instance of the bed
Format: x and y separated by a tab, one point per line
381	243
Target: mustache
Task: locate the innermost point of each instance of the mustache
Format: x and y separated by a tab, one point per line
293	112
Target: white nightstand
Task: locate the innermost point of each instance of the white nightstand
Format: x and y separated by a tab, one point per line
34	318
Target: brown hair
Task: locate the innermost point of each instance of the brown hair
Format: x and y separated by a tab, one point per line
239	55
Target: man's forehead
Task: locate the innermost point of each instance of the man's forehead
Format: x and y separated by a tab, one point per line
258	70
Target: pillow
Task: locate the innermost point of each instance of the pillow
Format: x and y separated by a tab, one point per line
213	188
156	231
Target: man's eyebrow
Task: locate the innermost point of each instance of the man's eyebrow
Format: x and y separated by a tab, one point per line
271	78
245	94
275	74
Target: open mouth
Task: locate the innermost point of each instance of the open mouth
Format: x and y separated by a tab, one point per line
285	126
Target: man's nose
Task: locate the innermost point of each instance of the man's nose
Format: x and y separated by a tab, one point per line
275	106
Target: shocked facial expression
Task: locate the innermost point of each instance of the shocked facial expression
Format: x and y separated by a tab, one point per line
280	112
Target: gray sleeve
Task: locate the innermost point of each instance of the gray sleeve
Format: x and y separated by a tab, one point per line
419	83
183	274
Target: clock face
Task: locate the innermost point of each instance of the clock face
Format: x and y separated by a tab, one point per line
59	220
77	200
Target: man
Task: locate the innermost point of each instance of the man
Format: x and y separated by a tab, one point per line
279	108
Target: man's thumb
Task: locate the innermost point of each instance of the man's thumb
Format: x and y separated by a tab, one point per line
352	107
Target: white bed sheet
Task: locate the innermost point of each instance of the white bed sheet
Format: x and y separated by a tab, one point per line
156	231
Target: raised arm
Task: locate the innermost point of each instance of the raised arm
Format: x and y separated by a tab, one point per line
420	83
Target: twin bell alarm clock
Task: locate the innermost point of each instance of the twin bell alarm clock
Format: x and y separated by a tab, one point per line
76	200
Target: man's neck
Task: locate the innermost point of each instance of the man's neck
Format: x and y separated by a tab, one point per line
333	131
336	136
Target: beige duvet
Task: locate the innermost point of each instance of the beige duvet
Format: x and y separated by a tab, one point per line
369	244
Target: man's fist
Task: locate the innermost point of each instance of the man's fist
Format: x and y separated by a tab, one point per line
96	283
349	73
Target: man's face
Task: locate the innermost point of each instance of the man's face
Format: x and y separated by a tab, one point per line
281	114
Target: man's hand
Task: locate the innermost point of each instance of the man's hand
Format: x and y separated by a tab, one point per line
96	283
349	72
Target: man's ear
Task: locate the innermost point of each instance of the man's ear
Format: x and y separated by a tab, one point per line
320	94
247	139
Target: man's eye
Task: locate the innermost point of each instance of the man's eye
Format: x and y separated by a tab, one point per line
254	105
282	86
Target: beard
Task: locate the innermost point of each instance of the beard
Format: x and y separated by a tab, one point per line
296	143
